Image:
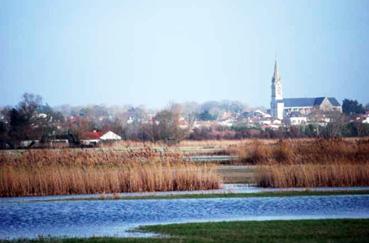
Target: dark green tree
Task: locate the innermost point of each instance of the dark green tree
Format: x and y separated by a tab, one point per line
352	107
206	116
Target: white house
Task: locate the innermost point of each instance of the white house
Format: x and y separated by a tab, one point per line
297	120
366	120
226	123
261	113
93	138
110	136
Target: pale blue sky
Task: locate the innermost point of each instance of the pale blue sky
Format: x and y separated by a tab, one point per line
155	52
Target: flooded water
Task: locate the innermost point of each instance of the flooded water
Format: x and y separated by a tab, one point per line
227	188
85	218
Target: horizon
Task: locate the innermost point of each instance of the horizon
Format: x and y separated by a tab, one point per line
152	54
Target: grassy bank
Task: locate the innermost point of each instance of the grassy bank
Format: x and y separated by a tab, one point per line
79	171
338	230
275	231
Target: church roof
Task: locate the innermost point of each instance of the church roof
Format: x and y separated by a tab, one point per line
303	102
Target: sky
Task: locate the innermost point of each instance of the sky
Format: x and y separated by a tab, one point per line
154	52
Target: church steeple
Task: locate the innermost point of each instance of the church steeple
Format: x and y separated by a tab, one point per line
276	71
276	83
277	104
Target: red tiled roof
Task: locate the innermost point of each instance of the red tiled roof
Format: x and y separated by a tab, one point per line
91	135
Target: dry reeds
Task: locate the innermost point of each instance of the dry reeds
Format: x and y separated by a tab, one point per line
313	175
78	171
314	163
304	151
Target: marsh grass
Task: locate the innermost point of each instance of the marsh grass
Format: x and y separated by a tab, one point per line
314	163
313	175
301	151
89	171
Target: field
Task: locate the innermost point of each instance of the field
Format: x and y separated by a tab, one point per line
338	230
89	171
296	163
307	162
136	167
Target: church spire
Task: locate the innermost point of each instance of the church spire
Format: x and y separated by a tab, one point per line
277	104
276	72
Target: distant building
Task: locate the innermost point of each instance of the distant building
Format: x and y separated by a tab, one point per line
366	120
262	114
93	138
363	118
183	123
297	120
277	104
283	107
110	136
226	122
90	138
307	105
204	124
29	143
58	143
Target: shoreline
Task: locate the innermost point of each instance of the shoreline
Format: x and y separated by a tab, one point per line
193	195
312	230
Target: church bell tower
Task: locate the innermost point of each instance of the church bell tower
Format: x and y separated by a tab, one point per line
277	104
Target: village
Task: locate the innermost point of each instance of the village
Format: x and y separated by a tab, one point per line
34	124
184	121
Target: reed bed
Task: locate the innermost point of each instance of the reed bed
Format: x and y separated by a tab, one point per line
314	163
89	171
313	175
296	151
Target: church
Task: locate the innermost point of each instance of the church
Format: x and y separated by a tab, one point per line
284	107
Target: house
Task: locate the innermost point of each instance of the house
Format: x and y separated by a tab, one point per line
59	143
95	137
366	120
29	143
363	118
262	114
225	115
110	136
183	123
265	122
90	138
203	124
226	122
297	120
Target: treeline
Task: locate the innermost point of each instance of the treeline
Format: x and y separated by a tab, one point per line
33	119
30	119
